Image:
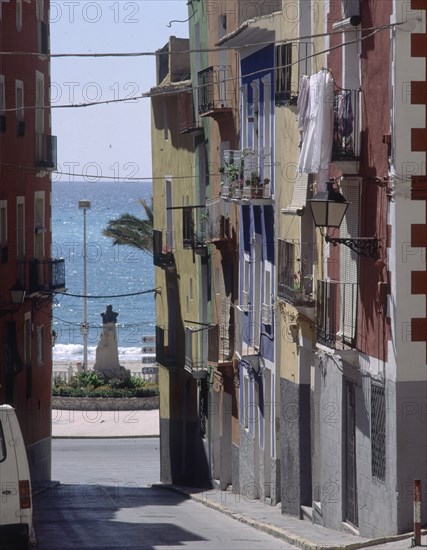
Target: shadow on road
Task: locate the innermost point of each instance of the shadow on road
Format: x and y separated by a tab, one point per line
116	516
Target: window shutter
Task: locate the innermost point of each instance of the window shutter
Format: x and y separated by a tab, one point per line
349	260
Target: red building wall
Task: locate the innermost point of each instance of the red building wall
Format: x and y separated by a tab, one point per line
25	369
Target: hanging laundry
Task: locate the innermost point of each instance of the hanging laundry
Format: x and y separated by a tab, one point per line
343	125
302	104
317	124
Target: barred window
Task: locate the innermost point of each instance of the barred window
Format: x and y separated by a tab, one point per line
378	431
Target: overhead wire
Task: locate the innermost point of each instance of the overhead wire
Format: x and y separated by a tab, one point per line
194	88
198	50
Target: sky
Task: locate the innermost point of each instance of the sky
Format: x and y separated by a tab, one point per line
107	140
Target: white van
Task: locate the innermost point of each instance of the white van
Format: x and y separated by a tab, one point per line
16	510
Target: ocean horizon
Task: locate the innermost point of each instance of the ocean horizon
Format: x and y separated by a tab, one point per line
115	274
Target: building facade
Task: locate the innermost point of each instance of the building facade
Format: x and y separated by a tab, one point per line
315	358
27	157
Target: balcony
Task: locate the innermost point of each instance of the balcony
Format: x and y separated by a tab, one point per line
201	348
195	222
246	176
215	91
292	60
296	262
337	314
41	276
188	120
163	256
346	139
46	154
218	230
165	354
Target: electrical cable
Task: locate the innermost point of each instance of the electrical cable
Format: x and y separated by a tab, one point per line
198	50
225	80
106	296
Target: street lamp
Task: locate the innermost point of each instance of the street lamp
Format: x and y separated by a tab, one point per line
328	209
84	327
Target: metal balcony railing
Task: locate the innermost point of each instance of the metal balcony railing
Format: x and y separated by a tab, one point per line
201	348
41	275
245	175
337	314
295	272
46	153
163	256
215	90
217	215
346	140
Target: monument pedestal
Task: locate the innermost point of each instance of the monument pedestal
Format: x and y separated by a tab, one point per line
107	353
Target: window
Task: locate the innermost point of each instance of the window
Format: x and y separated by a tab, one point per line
40	345
39	103
245	288
40	10
169	216
2	95
378	431
187	227
283	73
3	223
18	15
266	305
27	339
292	62
19	88
3	232
20	227
165	122
2	440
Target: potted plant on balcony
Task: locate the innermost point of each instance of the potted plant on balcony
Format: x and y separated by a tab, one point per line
233	176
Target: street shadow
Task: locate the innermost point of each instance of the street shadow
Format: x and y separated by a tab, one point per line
121	516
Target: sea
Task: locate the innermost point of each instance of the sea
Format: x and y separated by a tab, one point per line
118	275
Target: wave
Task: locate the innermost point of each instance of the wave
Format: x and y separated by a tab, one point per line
73	353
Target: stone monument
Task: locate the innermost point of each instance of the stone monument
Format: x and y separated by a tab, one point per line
107	353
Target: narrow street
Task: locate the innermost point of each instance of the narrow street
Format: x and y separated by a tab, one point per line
105	501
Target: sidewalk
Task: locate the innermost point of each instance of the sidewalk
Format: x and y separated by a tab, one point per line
104	424
261	516
269	519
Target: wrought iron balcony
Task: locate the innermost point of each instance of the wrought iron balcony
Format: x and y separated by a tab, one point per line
346	139
295	272
201	348
337	314
40	276
165	349
163	255
246	176
215	91
217	224
46	153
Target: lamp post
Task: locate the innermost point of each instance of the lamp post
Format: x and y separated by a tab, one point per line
328	209
84	327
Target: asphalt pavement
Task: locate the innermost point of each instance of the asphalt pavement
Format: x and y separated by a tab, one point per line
261	516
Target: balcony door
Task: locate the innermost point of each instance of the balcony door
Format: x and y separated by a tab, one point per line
39	238
349	264
351	502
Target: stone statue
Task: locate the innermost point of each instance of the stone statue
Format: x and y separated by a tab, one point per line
109	316
107	353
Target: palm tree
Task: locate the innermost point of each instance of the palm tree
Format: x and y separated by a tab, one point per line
130	230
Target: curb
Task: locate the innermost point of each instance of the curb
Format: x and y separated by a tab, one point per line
278	532
105	436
